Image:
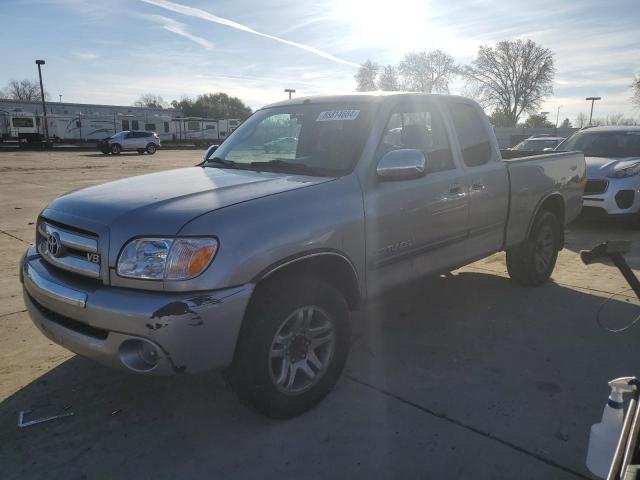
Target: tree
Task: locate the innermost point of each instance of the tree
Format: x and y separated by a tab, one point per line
635	86
25	90
537	120
513	77
388	79
499	119
366	77
213	105
428	72
149	100
581	120
566	123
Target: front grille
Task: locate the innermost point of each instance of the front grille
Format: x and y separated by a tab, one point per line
76	252
70	323
594	187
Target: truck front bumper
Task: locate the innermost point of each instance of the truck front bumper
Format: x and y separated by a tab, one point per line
160	333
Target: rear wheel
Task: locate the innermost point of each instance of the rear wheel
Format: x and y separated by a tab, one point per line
151	148
532	262
116	149
293	346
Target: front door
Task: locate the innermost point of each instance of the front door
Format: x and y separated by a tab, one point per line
416	226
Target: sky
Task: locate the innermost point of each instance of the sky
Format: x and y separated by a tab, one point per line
112	51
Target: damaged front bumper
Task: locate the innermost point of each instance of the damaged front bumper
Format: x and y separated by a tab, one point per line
160	333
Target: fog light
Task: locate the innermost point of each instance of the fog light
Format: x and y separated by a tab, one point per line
138	355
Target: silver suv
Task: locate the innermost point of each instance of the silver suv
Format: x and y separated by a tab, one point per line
130	140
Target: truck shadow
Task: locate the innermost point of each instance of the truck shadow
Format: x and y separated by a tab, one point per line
528	365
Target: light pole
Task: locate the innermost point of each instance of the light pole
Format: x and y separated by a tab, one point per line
60	95
593	99
44	107
558	115
289	91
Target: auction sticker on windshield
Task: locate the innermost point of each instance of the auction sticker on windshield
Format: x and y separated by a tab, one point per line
335	115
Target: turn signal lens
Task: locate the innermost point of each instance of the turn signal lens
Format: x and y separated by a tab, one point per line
189	257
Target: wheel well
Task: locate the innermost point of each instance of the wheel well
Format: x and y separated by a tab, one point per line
555	204
332	268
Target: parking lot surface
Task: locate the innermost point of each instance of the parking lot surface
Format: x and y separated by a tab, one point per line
465	375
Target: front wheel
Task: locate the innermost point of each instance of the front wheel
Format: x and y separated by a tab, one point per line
115	149
532	262
293	346
151	149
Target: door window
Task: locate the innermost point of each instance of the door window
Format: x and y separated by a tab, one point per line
418	127
134	125
473	139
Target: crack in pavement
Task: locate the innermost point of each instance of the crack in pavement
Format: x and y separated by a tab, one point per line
468	427
14	237
12	313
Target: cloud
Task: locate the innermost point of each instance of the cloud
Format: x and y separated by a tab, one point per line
180	29
86	56
198	13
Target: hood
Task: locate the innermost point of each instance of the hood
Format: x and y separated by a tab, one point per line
600	167
161	203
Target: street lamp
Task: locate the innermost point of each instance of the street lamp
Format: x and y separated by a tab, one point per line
289	91
593	99
44	107
558	115
60	95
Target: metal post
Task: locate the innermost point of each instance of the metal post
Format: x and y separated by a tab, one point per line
289	91
593	99
60	95
44	107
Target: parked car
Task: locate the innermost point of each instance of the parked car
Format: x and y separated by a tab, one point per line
613	169
281	145
253	264
130	140
538	144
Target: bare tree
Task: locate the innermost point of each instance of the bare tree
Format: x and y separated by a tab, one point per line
581	120
618	119
366	76
388	79
566	123
513	77
26	90
429	72
149	100
635	86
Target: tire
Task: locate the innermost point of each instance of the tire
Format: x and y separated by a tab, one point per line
532	262
141	151
273	351
116	149
151	148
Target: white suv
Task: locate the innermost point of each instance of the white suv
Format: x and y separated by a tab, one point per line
130	140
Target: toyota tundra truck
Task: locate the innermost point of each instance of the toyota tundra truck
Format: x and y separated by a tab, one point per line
253	261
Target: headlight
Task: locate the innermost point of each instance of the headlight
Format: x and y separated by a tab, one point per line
166	258
629	171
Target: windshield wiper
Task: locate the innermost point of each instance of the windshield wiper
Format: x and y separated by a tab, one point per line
219	162
282	164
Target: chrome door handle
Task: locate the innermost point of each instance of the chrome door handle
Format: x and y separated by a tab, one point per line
478	186
455	189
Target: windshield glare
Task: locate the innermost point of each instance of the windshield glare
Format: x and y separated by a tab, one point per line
323	138
534	145
625	143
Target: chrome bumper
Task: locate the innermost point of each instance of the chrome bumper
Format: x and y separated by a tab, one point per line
188	332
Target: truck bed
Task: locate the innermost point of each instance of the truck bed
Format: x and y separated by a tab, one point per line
535	178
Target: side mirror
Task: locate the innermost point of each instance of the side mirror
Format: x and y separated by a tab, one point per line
402	164
209	151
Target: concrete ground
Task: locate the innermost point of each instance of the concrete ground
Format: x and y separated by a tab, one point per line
464	375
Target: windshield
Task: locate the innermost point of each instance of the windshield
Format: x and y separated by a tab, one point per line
321	139
623	143
533	145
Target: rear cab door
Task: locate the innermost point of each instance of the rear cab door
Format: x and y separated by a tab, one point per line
486	176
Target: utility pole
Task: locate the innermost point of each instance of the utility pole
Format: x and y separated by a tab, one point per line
289	91
593	99
60	95
44	107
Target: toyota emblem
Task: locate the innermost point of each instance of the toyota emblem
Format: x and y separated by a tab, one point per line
53	244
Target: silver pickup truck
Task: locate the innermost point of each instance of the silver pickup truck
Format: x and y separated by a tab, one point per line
252	261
